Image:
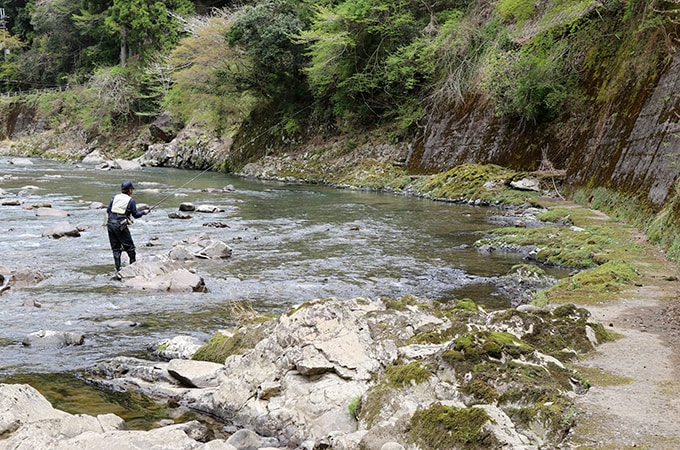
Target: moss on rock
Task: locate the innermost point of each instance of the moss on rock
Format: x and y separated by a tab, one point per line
487	184
439	427
592	286
222	346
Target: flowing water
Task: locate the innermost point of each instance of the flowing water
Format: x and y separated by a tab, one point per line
291	243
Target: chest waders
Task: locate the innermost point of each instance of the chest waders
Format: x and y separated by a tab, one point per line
119	232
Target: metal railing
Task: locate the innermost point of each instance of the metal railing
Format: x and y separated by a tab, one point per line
44	90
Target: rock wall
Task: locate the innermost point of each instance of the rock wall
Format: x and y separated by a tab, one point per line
17	119
635	149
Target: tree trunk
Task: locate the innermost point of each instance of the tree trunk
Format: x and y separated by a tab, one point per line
123	47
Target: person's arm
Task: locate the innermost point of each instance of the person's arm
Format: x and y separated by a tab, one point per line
108	208
132	209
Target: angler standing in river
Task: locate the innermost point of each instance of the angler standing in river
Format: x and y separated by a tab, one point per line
121	211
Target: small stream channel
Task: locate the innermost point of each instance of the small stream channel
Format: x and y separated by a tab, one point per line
291	243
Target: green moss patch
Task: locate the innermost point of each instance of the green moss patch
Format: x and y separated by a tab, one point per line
556	245
595	376
555	414
556	215
471	182
399	375
384	395
222	346
439	427
592	286
483	344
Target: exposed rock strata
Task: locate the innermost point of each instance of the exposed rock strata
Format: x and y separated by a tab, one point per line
393	360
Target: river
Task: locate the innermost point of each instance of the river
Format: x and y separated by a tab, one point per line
291	243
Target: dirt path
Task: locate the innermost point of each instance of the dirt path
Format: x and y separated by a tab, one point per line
634	401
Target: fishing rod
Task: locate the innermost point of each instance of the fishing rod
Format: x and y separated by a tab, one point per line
268	130
170	195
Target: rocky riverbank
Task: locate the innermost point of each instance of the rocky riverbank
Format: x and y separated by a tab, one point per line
395	373
346	374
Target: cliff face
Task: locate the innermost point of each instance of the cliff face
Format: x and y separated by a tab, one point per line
17	119
635	150
623	132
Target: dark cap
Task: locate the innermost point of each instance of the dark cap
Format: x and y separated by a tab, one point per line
126	185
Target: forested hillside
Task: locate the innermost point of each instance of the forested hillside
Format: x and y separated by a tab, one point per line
576	86
348	63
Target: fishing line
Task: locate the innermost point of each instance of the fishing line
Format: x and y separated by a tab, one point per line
268	130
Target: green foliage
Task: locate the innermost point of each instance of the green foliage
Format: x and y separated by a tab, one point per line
532	83
459	50
144	28
197	84
54	43
354	48
354	407
518	10
265	31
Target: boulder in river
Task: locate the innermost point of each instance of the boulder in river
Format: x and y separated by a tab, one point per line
51	338
210	209
200	246
50	212
125	164
178	347
161	274
174	215
21	162
62	229
94	157
21	277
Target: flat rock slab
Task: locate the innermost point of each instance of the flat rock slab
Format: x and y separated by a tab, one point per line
197	374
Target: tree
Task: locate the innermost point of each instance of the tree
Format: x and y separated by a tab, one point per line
99	45
266	31
145	27
350	45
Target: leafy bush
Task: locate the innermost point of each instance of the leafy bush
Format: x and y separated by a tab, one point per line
532	83
360	56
